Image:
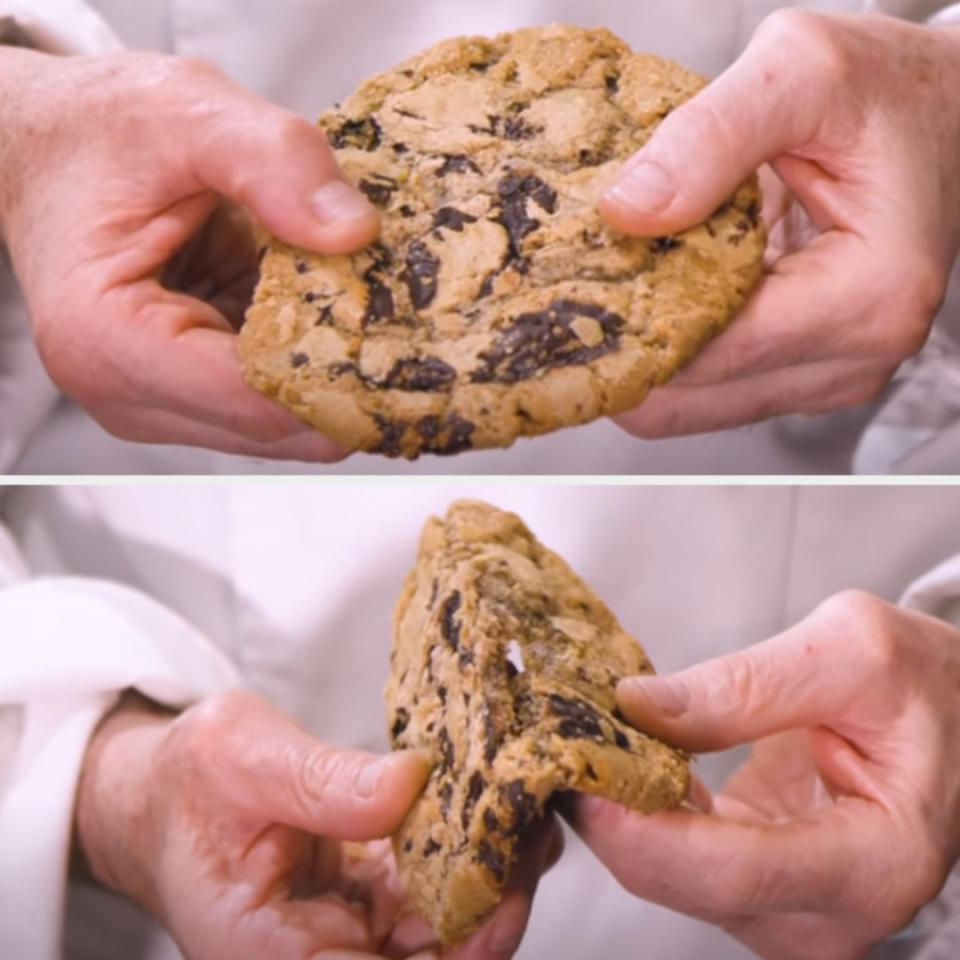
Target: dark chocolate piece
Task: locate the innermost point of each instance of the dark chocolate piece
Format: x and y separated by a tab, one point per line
536	342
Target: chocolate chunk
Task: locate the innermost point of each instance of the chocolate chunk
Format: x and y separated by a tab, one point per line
613	83
400	148
302	267
593	158
491	735
537	342
446	795
445	437
421	274
515	192
400	722
579	719
490	820
407	211
380	304
523	803
621	739
492	860
429	428
391	436
452	219
326	315
486	288
408	846
309	297
665	244
363	134
431	847
298	360
442	693
516	128
475	788
447	756
513	186
420	374
457	163
449	627
379	193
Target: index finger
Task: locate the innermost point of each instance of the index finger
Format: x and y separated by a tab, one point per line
712	868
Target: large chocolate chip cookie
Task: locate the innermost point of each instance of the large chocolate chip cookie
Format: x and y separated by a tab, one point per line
497	304
504	668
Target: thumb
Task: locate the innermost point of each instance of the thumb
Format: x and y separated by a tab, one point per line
808	676
275	771
763	106
279	166
346	794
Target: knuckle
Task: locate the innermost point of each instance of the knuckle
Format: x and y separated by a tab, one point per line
212	719
864	620
814	41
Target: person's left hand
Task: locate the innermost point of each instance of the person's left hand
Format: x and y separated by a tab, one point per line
844	821
246	838
859	121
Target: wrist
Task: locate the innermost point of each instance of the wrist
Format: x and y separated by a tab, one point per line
115	828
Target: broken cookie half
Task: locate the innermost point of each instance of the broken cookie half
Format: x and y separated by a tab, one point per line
504	668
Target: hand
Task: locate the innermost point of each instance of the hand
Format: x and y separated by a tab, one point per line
229	824
846	818
109	168
859	119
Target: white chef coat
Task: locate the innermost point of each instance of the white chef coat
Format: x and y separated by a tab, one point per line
308	53
291	587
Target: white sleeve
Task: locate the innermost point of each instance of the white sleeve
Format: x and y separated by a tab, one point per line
61	26
937	593
68	647
934	12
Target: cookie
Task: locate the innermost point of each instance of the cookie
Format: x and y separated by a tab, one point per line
504	669
496	304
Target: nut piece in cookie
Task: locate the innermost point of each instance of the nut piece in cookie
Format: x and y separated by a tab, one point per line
496	304
504	667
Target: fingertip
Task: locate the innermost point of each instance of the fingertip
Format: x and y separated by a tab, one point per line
344	220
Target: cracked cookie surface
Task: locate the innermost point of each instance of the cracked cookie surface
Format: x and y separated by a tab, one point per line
504	669
496	303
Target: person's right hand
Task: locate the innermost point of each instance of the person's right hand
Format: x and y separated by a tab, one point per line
248	839
845	819
109	166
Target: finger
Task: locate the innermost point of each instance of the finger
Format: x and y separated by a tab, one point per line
760	108
275	771
159	427
812	389
323	924
176	355
712	868
279	166
808	676
799	313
